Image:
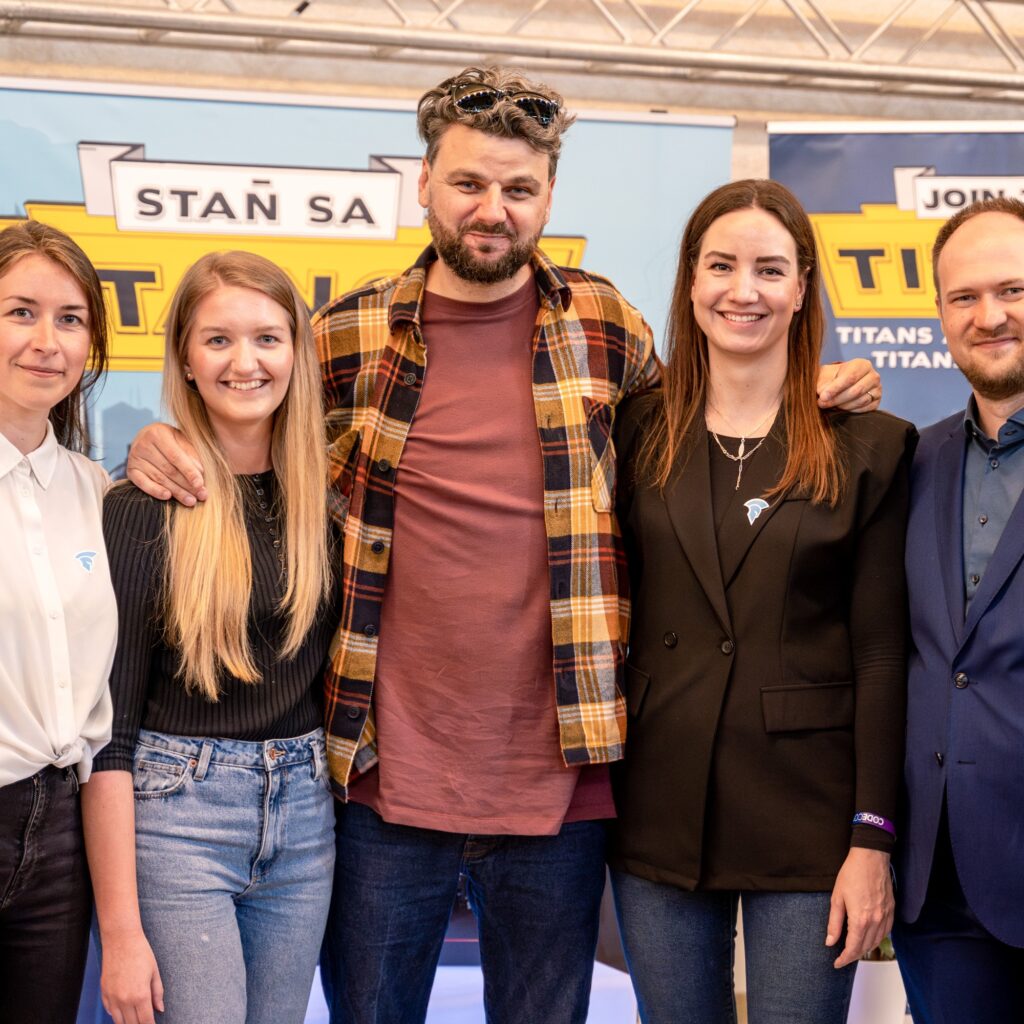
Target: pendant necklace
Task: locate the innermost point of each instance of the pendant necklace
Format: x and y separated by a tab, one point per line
742	454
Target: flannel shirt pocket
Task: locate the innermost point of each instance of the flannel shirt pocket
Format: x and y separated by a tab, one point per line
342	455
599	431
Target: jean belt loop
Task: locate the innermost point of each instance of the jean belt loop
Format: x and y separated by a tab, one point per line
204	761
318	758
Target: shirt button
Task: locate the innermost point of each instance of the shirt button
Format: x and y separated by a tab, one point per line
671	638
938	758
352	712
961	681
62	683
994	463
727	647
983	520
383	465
975	579
377	547
53	614
370	629
410	379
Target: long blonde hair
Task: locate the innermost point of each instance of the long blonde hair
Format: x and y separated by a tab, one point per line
208	580
813	464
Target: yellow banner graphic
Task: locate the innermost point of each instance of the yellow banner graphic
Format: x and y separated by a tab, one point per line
140	271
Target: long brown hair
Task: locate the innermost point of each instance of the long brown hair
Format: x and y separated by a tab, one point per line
208	582
31	238
813	464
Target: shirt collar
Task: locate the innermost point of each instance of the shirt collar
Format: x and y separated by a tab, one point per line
1011	432
42	461
407	301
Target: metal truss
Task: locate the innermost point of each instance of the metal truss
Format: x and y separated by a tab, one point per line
964	49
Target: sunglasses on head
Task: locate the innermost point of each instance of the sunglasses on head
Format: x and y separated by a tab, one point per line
472	97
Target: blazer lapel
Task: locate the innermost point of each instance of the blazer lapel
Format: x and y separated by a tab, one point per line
949	510
688	501
743	522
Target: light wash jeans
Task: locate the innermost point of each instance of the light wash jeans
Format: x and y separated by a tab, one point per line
680	948
235	854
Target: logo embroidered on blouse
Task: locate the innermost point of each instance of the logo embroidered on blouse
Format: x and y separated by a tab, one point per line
85	559
754	508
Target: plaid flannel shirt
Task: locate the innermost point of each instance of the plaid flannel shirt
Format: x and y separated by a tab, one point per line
591	349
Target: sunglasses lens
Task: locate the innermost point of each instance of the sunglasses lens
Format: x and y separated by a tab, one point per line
540	108
473	98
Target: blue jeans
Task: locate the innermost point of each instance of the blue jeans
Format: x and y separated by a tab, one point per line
45	899
680	947
234	851
536	899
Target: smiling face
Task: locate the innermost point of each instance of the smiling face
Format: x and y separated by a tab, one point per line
981	303
44	344
488	199
746	286
240	352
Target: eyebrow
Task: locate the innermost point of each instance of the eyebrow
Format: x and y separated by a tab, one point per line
965	289
35	302
760	259
259	330
519	179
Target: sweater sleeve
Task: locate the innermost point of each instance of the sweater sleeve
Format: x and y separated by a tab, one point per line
878	627
133	531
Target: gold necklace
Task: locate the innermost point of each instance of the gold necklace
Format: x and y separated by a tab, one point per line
742	454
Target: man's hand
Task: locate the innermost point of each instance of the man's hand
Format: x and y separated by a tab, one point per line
164	465
863	897
853	387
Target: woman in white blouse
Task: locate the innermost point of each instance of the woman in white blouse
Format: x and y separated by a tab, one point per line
58	616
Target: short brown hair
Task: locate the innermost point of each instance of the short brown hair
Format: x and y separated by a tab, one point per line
32	238
437	110
996	204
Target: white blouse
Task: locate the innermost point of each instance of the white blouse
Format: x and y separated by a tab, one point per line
58	616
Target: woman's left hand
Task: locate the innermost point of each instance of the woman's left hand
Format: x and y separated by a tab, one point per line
863	897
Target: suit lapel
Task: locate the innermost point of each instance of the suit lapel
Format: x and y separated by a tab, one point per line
687	499
760	474
949	510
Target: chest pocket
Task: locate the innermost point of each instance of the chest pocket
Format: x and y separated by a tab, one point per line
342	455
599	433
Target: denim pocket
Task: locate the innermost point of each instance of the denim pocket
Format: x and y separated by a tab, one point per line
158	773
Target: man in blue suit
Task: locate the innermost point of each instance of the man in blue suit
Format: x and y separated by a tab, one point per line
960	932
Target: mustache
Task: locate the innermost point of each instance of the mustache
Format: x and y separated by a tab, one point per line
480	228
976	337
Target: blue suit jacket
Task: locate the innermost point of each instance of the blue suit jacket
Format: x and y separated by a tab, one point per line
965	726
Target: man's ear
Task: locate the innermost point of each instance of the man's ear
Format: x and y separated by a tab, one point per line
551	194
424	184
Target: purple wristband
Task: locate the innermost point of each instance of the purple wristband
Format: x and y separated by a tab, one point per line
875	820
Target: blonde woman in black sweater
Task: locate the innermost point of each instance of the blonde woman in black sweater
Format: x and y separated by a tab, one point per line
209	822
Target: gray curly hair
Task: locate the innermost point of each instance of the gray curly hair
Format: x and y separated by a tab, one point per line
437	110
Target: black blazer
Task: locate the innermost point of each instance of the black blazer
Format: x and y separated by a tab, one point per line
765	678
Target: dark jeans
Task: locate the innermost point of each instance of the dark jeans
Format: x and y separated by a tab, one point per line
537	900
680	947
45	899
954	970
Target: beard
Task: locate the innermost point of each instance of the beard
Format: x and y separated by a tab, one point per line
999	382
464	263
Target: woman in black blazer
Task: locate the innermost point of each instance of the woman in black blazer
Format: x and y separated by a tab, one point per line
765	675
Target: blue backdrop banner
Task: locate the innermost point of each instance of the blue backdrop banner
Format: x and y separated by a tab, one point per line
147	181
877	195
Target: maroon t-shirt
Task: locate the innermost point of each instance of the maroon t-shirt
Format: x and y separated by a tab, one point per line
464	695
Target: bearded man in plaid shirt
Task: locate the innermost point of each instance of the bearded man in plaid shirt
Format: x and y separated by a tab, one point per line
472	701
